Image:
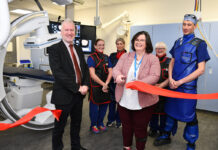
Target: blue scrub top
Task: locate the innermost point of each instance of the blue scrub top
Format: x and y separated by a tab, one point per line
202	52
91	62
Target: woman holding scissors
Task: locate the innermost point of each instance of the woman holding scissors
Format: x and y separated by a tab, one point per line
135	108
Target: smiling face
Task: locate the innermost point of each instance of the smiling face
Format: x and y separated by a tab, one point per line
140	43
99	46
188	27
68	32
160	51
120	45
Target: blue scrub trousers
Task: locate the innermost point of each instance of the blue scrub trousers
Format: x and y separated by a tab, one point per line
113	113
97	113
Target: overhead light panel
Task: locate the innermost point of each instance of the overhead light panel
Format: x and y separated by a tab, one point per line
21	11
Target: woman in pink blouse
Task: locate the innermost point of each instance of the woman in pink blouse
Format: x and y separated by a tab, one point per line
135	107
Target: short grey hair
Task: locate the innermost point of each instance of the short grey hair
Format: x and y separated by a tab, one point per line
161	44
67	20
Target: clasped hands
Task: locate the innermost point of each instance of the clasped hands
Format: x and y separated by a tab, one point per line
83	89
105	88
174	84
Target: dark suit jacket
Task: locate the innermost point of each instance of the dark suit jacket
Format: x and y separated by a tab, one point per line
61	64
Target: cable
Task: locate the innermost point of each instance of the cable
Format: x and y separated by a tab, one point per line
39	5
195	5
195	8
204	35
208	43
200	5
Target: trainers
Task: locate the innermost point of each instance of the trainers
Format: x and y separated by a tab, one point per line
102	128
152	133
119	125
95	129
110	124
162	140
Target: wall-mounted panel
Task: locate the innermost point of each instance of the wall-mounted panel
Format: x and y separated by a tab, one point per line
166	33
211	31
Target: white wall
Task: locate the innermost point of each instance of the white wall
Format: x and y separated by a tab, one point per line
144	12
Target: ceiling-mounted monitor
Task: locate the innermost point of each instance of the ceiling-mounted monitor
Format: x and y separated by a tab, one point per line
85	35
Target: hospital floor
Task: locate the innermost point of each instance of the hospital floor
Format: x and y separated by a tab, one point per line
20	138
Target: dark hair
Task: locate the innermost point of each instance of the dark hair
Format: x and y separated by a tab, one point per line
149	47
97	40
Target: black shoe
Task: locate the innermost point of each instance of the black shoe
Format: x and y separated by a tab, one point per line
153	133
162	141
161	133
82	148
190	146
118	125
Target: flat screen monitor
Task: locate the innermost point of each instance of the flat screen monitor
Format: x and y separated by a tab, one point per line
54	27
78	31
87	38
85	35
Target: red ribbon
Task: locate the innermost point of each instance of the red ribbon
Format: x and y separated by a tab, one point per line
147	88
28	117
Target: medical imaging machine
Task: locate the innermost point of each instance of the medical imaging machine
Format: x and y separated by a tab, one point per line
24	90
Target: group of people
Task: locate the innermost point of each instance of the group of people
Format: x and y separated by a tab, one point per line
105	79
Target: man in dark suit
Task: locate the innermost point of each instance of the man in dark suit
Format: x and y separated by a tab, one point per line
71	76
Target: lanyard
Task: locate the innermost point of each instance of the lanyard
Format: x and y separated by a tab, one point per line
137	67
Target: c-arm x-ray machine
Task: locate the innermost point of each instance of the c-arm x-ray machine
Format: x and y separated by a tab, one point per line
34	24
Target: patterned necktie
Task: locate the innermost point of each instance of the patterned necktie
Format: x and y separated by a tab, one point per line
76	65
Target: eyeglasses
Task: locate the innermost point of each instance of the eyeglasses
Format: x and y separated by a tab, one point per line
161	48
190	15
140	40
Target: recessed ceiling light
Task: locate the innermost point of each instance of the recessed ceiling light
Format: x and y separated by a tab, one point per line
21	11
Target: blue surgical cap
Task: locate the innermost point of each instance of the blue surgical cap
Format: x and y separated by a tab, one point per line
191	17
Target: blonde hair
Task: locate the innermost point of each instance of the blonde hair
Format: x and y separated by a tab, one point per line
161	44
120	40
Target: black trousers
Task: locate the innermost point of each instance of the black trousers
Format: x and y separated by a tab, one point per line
74	109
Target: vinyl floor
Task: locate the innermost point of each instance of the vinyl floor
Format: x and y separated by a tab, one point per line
20	138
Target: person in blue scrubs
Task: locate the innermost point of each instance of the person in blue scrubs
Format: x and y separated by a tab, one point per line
100	69
189	57
113	114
